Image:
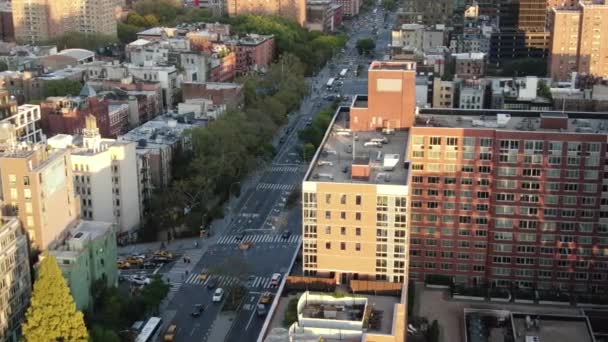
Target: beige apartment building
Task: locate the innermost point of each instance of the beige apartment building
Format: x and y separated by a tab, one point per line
578	44
355	195
291	9
39	184
39	20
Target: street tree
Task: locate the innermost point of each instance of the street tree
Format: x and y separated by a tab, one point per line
154	293
52	315
365	46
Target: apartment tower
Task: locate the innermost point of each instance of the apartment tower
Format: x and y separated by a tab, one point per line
291	9
38	184
37	21
578	44
105	177
497	200
355	204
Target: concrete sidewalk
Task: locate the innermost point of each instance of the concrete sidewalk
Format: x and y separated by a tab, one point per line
221	326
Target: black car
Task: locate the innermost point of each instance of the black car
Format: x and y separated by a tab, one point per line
286	234
212	283
197	310
240	236
150	265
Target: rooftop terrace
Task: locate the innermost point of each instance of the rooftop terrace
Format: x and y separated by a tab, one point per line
366	157
551	328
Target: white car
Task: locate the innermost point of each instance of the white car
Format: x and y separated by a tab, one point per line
218	295
140	280
274	281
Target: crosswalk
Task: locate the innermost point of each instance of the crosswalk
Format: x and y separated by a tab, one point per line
274	186
226	281
229	239
287	169
177	274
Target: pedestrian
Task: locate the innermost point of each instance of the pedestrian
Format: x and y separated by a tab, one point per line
187	272
185	260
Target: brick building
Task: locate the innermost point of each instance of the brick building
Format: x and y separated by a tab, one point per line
230	94
254	52
512	200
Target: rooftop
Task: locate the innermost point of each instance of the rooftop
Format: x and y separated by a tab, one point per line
376	158
549	328
469	55
79	237
512	120
78	54
161	130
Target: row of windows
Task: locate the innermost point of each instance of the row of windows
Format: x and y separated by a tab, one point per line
509	144
509	158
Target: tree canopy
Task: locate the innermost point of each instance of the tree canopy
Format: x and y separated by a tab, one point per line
230	147
89	41
52	315
62	87
365	46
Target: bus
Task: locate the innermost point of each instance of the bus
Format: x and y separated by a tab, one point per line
149	330
343	73
330	83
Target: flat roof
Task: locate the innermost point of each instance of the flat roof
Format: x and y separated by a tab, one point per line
550	328
342	148
507	121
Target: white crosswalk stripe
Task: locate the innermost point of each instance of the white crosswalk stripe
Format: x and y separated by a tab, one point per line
258	238
286	169
275	186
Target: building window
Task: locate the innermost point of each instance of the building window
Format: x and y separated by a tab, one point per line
343	246
358	231
328	230
343	231
358	216
357	247
328	245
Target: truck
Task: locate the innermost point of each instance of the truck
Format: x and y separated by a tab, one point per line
343	73
330	83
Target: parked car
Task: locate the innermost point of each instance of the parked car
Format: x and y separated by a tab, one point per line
149	265
197	310
170	333
274	281
139	280
212	283
218	295
286	235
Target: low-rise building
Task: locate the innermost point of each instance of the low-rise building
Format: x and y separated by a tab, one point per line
350	8
159	140
320	15
418	37
469	65
223	67
24	86
254	52
15	278
518	94
229	94
443	93
87	254
471	95
166	75
105	178
202	109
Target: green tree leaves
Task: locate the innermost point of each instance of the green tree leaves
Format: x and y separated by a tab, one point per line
62	87
52	315
365	46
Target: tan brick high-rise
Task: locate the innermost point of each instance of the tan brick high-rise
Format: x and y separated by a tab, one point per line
39	20
291	9
39	185
579	42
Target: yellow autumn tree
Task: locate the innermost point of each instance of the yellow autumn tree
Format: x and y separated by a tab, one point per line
52	315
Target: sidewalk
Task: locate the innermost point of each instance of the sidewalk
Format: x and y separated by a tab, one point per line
221	326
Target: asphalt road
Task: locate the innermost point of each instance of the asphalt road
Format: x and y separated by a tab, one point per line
261	212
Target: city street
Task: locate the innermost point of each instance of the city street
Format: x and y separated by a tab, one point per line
261	214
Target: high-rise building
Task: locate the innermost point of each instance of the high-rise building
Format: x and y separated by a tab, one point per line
39	20
105	177
578	44
15	277
291	9
499	199
355	219
38	183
